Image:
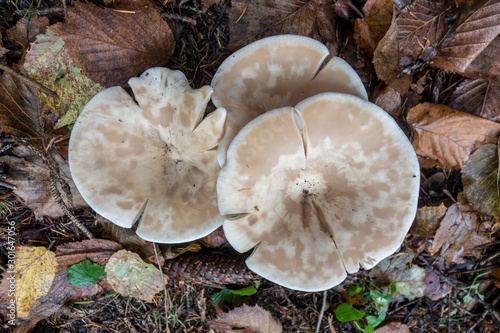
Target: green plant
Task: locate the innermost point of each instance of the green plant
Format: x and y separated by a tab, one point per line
230	298
85	272
378	303
474	287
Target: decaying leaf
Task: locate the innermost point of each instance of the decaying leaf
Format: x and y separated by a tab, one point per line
48	63
21	112
409	280
480	180
247	319
214	239
252	20
129	275
386	60
465	44
487	63
394	327
436	288
27	28
421	25
112	54
373	27
459	234
35	271
478	97
449	136
32	178
427	220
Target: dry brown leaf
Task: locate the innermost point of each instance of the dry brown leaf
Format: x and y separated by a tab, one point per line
386	60
478	97
459	234
35	270
393	328
487	64
32	178
21	111
373	27
129	275
252	20
436	289
465	43
247	319
27	28
481	182
112	54
214	239
427	220
449	136
421	25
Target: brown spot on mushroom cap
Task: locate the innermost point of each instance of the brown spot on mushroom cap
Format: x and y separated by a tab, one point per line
276	72
153	159
326	204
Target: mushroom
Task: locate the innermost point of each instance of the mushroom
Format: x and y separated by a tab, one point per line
275	72
318	190
154	160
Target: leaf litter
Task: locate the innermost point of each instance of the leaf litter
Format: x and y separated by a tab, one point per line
404	48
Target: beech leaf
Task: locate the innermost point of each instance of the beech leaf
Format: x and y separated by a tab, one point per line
247	319
480	180
427	220
459	234
113	53
449	136
470	38
478	97
373	27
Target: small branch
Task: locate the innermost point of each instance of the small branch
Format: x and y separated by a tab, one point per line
322	312
293	306
178	18
23	77
7	185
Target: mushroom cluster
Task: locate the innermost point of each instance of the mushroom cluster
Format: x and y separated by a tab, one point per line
294	162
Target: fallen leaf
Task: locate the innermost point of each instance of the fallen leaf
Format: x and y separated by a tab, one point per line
390	101
386	60
214	239
459	234
487	63
427	220
27	28
129	275
409	280
247	319
436	289
393	328
421	25
464	44
252	20
21	112
373	27
35	270
48	63
32	178
480	180
477	97
449	136
112	54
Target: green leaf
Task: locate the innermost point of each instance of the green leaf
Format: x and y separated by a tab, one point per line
393	288
375	320
379	299
85	272
247	291
354	289
222	297
468	298
345	312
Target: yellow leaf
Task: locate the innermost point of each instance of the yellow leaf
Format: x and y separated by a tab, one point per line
35	271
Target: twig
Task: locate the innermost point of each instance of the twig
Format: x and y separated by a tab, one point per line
23	77
178	18
322	312
164	286
7	185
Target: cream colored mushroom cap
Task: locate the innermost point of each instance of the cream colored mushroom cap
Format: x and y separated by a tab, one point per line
155	161
275	72
318	190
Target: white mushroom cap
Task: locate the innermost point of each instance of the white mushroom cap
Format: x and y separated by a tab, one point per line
276	72
156	159
318	190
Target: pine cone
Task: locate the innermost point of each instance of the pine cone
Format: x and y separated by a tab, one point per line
210	267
